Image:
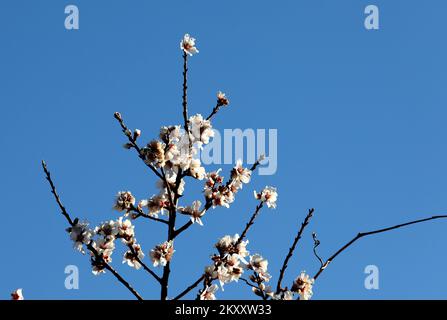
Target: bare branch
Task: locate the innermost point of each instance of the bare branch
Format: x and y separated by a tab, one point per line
292	249
185	96
316	244
369	233
191	287
139	213
249	223
89	246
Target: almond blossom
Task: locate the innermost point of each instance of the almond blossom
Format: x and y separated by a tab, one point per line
269	196
195	212
124	201
222	100
209	292
133	256
188	45
17	295
303	286
162	253
240	175
80	234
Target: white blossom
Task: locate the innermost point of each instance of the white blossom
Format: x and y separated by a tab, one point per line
201	130
195	212
240	175
162	253
17	295
269	196
196	169
303	286
124	201
126	231
130	256
80	234
188	45
209	292
222	100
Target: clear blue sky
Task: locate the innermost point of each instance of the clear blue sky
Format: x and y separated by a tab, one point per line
360	117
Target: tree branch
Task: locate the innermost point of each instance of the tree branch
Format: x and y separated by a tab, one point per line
292	249
134	144
249	223
191	287
369	233
89	246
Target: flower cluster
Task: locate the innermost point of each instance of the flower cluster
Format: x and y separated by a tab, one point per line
227	265
220	194
124	201
303	286
80	234
268	196
162	253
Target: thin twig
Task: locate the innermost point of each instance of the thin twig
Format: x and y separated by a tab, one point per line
139	213
364	234
292	249
145	267
316	244
89	246
191	287
185	96
214	111
249	223
134	144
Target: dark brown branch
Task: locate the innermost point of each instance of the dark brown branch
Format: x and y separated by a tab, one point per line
369	233
133	143
316	244
214	111
292	249
89	246
249	223
191	287
56	195
185	96
145	267
139	213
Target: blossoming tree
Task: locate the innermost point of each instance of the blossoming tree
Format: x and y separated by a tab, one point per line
173	157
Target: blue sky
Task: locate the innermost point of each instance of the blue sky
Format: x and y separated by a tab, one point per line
361	134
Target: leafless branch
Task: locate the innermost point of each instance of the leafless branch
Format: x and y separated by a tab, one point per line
316	244
191	287
89	246
369	233
292	249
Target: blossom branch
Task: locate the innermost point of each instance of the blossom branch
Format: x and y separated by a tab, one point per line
145	267
89	246
369	233
292	249
133	143
139	213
